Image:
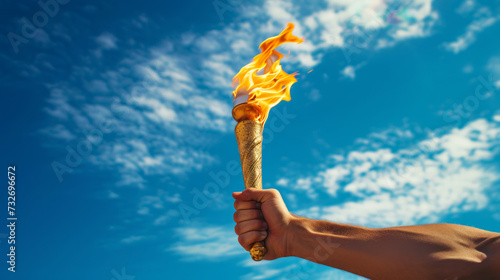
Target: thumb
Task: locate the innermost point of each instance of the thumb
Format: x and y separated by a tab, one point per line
254	194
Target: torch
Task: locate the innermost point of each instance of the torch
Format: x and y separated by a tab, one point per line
259	86
249	137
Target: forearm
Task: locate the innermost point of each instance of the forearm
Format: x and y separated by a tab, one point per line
416	252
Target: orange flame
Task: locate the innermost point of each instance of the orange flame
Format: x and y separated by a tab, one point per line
273	85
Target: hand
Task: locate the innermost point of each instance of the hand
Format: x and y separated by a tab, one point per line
262	214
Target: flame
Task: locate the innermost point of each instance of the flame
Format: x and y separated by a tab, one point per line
273	85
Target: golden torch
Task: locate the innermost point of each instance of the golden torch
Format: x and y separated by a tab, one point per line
259	86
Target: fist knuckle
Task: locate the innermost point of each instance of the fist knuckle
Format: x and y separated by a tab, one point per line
242	240
274	192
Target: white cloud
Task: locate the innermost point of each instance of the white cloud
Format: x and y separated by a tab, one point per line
211	243
159	88
241	47
468	68
349	72
301	269
466	6
106	41
338	275
162	220
163	104
60	106
332	177
282	182
155	204
314	94
113	195
132	239
483	19
97	86
415	183
270	271
337	157
305	184
342	24
494	68
58	131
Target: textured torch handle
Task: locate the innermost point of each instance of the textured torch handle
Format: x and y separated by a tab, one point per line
249	138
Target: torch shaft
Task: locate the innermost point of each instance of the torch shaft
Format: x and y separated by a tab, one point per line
249	137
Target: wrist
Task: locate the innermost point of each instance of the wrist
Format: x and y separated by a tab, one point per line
296	234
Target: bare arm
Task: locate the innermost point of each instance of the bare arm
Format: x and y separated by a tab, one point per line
439	251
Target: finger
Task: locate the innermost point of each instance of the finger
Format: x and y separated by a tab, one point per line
240	205
256	194
250	225
247	239
245	215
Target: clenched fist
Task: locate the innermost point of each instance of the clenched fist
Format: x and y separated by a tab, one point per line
262	214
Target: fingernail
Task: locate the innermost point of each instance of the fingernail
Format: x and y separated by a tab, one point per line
263	233
264	224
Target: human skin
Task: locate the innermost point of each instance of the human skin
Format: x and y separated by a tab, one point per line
435	251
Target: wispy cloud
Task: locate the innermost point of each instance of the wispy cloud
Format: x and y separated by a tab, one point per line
107	41
269	271
494	68
467	6
483	19
368	25
390	179
133	239
160	93
149	109
407	184
292	269
350	71
210	243
157	206
58	131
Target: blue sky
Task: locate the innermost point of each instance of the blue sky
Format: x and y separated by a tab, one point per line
117	116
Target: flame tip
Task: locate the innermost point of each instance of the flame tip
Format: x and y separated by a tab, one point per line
269	88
